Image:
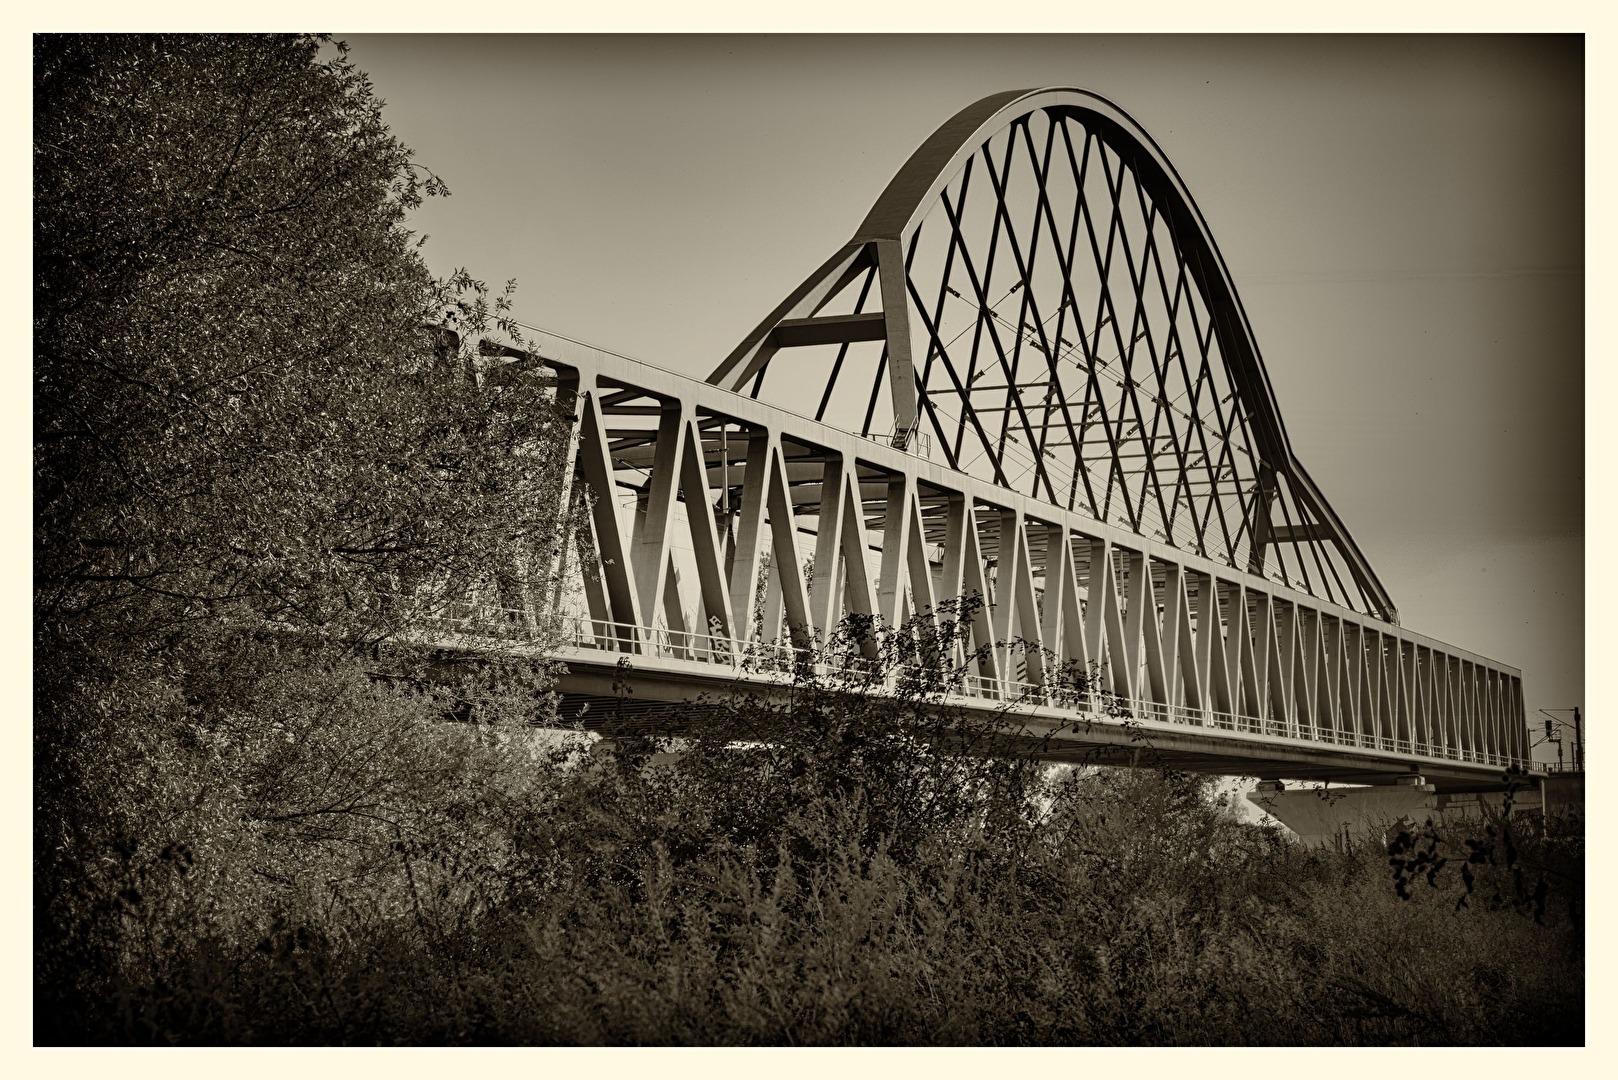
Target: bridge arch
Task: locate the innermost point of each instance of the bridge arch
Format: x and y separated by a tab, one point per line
725	538
1041	240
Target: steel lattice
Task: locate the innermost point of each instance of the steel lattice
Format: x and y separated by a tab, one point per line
1064	327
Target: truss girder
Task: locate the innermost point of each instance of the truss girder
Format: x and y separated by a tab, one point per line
750	525
1051	313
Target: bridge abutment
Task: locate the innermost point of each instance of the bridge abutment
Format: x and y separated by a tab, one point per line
1332	817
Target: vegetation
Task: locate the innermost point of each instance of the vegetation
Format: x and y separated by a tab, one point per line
264	815
253	465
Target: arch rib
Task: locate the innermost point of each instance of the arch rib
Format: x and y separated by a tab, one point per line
886	237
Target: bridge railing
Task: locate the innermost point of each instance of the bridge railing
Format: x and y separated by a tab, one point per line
583	634
477	620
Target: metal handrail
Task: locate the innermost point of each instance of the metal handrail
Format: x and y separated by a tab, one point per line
584	633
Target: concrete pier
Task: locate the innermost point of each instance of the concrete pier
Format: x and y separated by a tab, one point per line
1332	817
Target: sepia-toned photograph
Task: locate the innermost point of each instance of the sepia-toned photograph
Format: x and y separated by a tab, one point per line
862	540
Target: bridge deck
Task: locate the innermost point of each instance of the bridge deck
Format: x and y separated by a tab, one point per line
660	689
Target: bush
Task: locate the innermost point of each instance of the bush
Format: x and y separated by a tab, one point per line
823	866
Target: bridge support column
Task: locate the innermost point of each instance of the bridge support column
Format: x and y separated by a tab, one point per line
1563	795
1332	817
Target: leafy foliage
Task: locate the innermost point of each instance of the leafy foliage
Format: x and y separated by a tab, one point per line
255	465
817	866
238	410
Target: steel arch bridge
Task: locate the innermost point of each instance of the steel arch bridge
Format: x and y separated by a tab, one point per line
1027	378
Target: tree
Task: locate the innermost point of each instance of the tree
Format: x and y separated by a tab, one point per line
238	410
262	453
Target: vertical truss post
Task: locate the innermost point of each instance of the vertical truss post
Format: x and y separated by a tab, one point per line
890	263
896	534
783	536
595	468
745	561
707	548
652	540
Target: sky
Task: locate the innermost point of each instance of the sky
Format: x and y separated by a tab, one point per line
1403	218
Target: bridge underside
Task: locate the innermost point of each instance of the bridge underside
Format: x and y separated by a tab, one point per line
603	698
